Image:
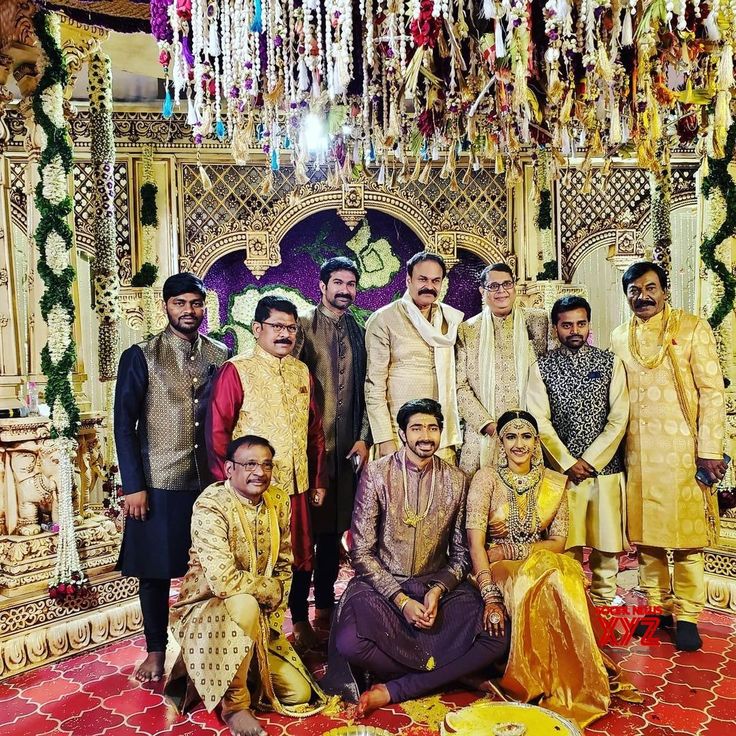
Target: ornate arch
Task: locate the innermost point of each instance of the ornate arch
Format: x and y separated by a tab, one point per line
261	235
624	244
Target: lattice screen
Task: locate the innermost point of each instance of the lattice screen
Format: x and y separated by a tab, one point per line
84	208
480	205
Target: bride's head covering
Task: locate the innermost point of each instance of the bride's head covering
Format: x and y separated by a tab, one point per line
517	420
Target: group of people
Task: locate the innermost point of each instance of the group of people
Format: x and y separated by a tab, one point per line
502	446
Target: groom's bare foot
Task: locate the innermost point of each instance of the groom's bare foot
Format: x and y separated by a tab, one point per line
243	723
151	669
373	699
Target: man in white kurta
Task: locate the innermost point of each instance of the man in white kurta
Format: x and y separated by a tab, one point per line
676	427
578	395
494	351
410	347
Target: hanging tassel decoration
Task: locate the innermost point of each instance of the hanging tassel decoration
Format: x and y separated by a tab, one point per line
213	46
257	24
711	27
191	112
275	165
489	9
627	30
303	75
500	45
205	178
220	130
382	174
168	109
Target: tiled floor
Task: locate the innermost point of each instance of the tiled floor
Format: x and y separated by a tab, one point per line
93	694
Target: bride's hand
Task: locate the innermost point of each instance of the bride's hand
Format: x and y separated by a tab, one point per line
494	618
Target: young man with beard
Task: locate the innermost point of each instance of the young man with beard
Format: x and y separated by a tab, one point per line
160	401
578	395
407	617
676	430
229	617
332	345
411	354
271	394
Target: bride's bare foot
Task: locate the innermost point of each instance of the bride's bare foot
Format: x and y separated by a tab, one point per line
373	699
243	723
151	669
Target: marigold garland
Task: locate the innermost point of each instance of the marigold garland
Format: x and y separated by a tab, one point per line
54	240
719	178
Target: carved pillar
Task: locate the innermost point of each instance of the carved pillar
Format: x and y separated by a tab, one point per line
5	97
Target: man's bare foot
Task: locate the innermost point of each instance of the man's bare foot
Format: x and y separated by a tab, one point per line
373	699
151	669
243	723
304	636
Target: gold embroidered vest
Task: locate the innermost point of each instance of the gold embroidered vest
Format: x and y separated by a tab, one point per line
171	427
276	406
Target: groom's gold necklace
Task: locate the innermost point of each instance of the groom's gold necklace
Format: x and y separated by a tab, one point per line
410	517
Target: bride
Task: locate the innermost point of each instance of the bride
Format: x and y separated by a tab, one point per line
517	527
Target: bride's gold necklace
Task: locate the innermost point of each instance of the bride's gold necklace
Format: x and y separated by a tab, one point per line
410	517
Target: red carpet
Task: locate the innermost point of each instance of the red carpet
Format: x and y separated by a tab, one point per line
685	694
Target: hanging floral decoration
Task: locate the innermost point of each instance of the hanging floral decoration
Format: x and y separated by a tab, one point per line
543	218
719	185
105	265
146	276
54	240
443	79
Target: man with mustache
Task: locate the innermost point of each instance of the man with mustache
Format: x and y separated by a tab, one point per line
332	345
160	402
411	354
271	394
578	395
494	351
408	618
676	428
229	616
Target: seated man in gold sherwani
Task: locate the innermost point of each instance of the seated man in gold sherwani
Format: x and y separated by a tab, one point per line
410	347
408	618
494	351
676	429
230	613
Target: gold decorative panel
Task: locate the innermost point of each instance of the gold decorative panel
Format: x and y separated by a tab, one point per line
18	196
223	216
84	210
619	201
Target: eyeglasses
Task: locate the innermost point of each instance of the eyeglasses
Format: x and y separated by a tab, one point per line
278	327
495	286
251	465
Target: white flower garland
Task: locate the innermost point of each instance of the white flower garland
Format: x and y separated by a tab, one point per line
105	267
55	186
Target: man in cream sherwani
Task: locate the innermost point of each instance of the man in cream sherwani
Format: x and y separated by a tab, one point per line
494	351
410	346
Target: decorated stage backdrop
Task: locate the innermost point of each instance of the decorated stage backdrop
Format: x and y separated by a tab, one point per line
380	245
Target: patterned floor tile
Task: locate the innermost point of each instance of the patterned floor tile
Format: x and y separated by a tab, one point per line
681	720
684	694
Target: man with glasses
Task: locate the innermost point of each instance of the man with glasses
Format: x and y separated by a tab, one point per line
229	616
411	355
160	401
494	351
270	393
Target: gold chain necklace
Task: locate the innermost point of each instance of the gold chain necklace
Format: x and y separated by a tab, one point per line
670	325
410	517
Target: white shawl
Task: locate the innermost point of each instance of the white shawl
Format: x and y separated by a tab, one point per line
444	360
525	357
